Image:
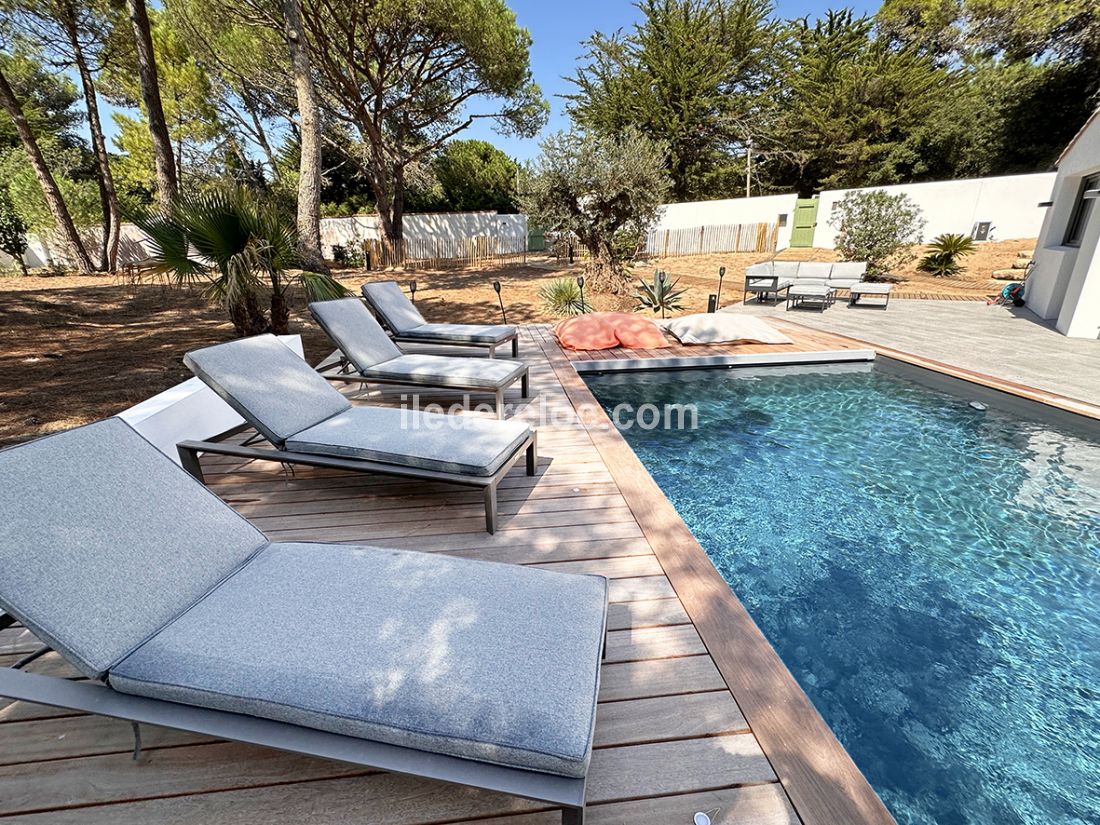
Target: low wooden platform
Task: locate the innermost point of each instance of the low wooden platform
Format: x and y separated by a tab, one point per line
696	711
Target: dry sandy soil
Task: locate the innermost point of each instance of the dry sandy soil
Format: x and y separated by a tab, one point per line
77	348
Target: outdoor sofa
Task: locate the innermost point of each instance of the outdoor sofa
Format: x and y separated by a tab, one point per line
181	614
309	422
401	317
373	357
775	277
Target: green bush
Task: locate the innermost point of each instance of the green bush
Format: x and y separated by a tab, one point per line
942	259
564	296
660	295
877	227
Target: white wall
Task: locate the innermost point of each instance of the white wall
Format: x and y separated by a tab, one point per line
763	209
1010	203
428	226
134	246
1064	285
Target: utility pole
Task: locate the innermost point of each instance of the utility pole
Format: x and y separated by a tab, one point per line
748	171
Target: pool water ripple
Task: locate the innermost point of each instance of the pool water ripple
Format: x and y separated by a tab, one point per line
928	572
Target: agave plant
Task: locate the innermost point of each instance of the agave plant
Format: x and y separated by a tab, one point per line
660	295
240	249
942	259
564	296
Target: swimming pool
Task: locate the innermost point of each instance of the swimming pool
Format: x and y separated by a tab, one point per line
929	572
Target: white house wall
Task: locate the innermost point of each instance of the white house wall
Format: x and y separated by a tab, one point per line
1064	285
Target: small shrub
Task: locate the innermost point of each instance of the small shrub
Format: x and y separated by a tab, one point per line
563	296
660	295
877	227
347	256
942	259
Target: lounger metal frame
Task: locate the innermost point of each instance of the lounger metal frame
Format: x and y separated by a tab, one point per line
189	458
93	697
346	373
441	340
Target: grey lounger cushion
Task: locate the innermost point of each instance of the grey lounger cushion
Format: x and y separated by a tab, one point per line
103	540
493	662
466	333
398	312
401	315
374	355
270	386
464	444
448	371
359	336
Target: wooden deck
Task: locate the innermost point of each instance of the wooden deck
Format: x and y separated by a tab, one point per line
696	711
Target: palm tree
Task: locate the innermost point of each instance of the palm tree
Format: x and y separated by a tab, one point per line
240	249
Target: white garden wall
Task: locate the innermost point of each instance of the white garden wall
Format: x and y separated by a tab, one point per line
429	226
763	209
1010	203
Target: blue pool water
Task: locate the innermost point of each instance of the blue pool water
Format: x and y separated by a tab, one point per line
929	572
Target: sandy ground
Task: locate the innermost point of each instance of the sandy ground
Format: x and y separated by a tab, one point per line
74	349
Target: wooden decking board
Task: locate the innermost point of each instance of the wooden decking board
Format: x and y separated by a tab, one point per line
670	737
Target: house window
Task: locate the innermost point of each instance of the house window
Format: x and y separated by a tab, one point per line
1087	196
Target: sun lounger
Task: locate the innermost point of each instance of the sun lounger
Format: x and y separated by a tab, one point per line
309	422
401	317
374	358
181	614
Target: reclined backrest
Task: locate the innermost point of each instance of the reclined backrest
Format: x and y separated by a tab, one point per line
104	540
397	311
269	385
849	269
355	331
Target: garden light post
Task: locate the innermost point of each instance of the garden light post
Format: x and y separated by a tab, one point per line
412	290
661	277
721	275
500	299
580	284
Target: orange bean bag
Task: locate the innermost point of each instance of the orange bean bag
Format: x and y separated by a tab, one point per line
635	332
607	330
583	332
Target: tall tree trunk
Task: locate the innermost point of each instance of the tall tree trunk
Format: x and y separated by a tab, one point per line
167	182
108	198
19	259
52	193
309	167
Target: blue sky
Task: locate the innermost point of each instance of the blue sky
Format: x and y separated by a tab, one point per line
557	28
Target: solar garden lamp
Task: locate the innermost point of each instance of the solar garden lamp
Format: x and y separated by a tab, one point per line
580	284
412	290
500	299
661	278
721	275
